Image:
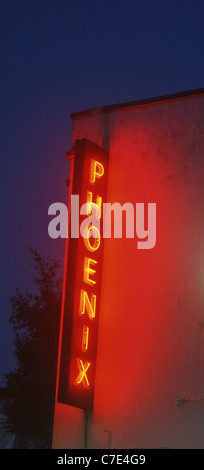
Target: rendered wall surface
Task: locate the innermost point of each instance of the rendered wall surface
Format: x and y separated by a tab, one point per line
150	347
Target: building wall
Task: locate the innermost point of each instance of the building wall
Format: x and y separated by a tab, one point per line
150	347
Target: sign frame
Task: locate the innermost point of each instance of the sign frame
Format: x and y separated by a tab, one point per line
82	286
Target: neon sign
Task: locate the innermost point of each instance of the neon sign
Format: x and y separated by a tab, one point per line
83	283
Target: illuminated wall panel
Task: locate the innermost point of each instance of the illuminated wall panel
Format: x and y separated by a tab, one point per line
150	343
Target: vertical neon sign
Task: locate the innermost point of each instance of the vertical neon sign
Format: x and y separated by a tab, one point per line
77	365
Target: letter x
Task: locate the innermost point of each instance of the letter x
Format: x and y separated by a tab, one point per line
82	376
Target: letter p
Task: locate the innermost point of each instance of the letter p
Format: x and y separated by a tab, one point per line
97	170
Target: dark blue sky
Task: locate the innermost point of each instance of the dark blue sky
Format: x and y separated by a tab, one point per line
61	57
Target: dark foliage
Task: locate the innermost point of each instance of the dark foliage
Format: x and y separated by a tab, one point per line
35	317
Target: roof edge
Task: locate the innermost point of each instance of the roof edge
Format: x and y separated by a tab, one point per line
143	102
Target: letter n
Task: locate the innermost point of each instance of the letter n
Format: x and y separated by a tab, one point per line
87	304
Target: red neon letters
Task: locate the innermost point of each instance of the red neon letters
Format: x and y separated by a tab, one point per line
83	276
88	303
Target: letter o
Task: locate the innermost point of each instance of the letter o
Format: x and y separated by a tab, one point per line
97	239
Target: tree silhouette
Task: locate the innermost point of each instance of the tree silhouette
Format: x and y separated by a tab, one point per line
34	317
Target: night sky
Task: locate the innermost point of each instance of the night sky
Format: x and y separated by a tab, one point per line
66	56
